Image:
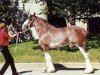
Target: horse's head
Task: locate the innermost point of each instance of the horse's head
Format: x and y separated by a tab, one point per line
29	22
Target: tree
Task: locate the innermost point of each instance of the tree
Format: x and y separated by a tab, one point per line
13	17
74	8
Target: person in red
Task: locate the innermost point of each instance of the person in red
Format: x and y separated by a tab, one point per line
4	42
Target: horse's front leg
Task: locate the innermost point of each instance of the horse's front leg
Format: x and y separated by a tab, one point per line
49	65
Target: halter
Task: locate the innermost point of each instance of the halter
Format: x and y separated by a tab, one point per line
31	22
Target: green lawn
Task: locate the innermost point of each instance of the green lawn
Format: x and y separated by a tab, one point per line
30	52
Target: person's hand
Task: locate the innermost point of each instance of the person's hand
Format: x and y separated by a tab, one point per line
17	34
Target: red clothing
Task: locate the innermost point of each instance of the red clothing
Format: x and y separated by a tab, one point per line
4	38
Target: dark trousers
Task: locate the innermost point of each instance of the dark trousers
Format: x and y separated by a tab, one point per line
8	61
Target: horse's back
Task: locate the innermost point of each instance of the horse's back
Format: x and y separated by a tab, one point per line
76	35
77	30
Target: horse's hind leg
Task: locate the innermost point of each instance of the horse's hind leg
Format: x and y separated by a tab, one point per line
49	65
89	68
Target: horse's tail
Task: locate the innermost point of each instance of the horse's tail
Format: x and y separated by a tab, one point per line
85	33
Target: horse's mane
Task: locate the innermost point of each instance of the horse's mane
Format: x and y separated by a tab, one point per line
44	22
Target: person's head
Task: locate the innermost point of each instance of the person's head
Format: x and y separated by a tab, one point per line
3	26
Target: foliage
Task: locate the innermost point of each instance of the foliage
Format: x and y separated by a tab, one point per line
64	8
13	17
93	41
10	12
74	8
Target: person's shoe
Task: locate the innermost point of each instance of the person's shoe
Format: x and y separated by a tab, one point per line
1	73
19	73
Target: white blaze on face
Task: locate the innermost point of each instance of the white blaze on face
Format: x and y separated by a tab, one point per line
25	24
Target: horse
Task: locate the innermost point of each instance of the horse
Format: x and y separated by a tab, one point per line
51	37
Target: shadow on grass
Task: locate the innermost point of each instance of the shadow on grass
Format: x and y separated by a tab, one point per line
61	67
66	48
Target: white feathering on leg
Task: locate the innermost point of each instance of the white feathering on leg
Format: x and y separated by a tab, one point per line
49	65
89	67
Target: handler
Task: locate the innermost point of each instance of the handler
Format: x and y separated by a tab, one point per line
4	42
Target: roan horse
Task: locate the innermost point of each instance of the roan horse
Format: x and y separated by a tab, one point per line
50	37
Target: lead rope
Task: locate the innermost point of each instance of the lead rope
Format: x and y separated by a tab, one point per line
16	41
18	36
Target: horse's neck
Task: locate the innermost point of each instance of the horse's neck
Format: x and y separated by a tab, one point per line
42	27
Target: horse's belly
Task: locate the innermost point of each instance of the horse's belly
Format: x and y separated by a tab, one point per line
52	45
57	43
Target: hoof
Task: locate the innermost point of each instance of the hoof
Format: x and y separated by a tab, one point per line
87	71
44	70
49	70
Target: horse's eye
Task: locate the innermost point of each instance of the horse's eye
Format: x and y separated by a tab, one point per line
30	19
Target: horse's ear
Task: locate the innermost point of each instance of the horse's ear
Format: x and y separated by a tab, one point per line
34	14
29	15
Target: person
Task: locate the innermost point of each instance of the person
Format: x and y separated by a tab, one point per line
4	42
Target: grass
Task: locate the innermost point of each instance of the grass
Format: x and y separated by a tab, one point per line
30	52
